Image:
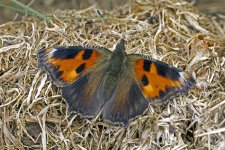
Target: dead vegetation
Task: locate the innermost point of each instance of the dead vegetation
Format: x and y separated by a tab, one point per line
33	114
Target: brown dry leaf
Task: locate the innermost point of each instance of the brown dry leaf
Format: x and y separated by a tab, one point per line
199	50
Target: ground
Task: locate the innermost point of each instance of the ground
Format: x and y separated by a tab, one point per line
33	115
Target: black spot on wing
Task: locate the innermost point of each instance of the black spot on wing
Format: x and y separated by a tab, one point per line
144	80
162	68
80	68
161	93
56	72
165	70
147	65
87	54
69	52
66	52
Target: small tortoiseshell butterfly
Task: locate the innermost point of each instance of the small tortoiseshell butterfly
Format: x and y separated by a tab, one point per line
120	85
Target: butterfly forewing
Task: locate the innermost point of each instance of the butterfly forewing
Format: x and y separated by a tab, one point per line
159	81
65	65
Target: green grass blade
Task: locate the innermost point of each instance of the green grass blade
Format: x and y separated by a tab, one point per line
31	10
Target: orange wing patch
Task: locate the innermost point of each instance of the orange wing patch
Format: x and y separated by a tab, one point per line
159	80
71	68
65	65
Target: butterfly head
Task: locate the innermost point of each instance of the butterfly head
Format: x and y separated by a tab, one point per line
120	47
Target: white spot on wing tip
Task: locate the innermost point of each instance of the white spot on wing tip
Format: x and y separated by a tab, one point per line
52	52
182	75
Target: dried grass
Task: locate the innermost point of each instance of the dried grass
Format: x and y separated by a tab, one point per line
33	114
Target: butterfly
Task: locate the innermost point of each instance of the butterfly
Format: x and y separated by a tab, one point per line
119	85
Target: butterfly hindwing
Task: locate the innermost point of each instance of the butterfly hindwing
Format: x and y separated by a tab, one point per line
65	65
82	98
159	81
126	102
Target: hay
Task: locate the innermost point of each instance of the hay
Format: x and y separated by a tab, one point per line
33	114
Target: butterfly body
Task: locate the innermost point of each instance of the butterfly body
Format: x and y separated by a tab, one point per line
120	85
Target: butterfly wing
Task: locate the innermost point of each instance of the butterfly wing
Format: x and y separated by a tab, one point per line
78	71
159	81
65	65
82	96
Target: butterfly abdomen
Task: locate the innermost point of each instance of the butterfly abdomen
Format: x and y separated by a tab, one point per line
117	64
